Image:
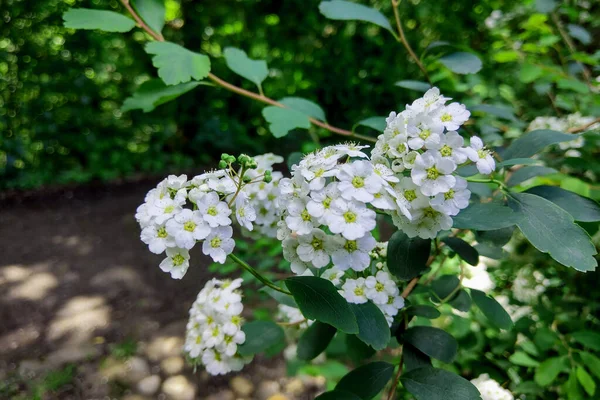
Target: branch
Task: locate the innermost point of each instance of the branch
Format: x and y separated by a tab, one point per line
243	92
257	275
396	378
582	128
402	38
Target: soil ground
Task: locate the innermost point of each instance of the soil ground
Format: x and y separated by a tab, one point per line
81	294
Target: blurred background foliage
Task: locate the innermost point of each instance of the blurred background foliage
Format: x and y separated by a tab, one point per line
61	90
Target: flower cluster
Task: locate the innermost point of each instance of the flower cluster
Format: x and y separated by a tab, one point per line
529	284
179	213
490	389
214	332
563	124
418	154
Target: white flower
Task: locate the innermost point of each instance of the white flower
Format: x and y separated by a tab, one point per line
480	155
219	244
299	218
244	212
165	208
380	287
431	100
352	219
355	291
453	116
319	205
454	199
176	263
157	238
432	174
214	211
333	275
358	181
351	150
451	147
354	254
426	223
315	248
490	389
478	278
425	133
289	246
187	227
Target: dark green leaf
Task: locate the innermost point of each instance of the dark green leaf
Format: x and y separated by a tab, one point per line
254	70
348	11
414	85
548	370
581	208
592	362
337	395
485	217
498	237
523	359
154	92
152	13
492	309
572	387
534	142
377	123
545	338
572	84
528	172
108	21
444	286
373	328
260	336
294	159
551	230
318	299
518	161
530	73
579	33
462	62
490	251
432	341
500	111
306	107
358	350
423	311
462	301
430	383
463	249
177	64
586	381
283	120
407	257
588	339
545	6
315	340
368	380
414	358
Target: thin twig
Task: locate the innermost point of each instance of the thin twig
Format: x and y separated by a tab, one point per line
402	38
246	93
396	378
257	275
572	49
582	128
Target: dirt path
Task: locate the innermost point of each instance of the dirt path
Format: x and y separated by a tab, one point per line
77	286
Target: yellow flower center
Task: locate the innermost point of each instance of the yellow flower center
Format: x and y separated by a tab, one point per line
410	194
305	215
358	182
425	134
446	117
349	217
161	233
446	151
359	291
212	210
215	242
317	244
379	287
432	173
189	226
350	246
178	260
449	194
169	209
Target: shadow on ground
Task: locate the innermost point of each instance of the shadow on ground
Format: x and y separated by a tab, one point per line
87	314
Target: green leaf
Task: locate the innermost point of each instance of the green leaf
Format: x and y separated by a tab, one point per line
462	301
498	237
377	123
523	359
337	395
108	21
551	230
499	111
407	257
572	84
534	142
294	159
260	336
588	339
463	249
586	381
505	56
414	358
592	362
368	380
177	64
423	311
548	370
530	73
430	383
485	217
315	340
306	107
152	12
283	120
281	298
254	70
579	33
432	341
445	285
545	338
462	62
414	85
518	161
492	309
154	92
348	11
318	299
545	6
572	387
358	350
528	172
581	208
373	328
